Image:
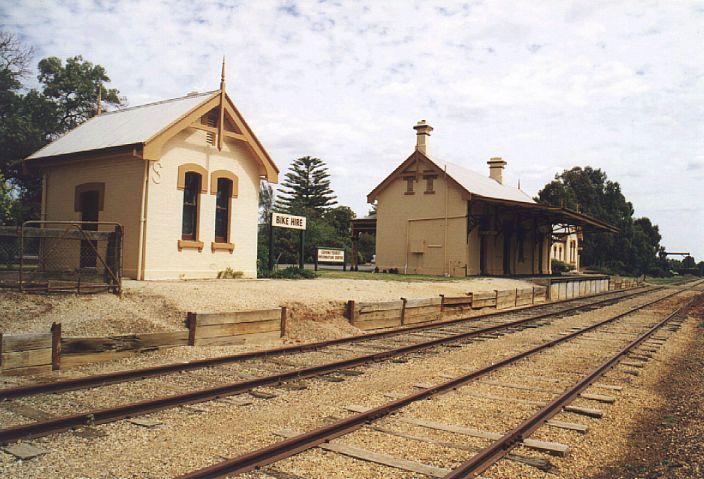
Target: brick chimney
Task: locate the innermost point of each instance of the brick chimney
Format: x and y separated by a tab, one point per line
422	133
496	169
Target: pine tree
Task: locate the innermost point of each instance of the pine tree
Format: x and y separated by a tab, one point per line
306	188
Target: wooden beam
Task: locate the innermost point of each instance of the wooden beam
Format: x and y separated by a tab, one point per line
371	456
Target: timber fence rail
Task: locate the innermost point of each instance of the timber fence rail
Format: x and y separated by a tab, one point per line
41	352
391	314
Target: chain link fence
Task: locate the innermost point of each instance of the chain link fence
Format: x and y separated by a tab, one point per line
80	256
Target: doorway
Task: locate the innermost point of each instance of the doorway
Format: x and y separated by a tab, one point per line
89	206
507	253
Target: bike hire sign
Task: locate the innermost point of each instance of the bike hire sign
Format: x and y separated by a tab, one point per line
288	221
326	255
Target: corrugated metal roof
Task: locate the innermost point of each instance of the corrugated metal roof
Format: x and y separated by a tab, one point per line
482	185
122	127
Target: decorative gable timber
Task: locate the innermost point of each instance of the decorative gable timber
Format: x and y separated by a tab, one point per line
416	165
227	113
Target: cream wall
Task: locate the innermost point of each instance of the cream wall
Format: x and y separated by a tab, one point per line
122	202
426	230
163	260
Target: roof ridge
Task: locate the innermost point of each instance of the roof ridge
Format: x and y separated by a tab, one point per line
160	102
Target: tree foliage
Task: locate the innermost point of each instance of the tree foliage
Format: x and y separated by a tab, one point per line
634	250
306	188
31	118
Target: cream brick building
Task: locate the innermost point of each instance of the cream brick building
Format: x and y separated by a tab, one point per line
437	218
182	177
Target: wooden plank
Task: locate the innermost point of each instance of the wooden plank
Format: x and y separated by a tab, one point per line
27	371
584	411
378	324
24	342
386	314
422	302
549	447
209	319
79	345
598	397
371	456
235	329
25	359
23	451
482	299
380	306
572	426
536	462
458	300
255	338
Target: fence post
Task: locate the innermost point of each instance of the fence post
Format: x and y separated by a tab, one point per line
532	300
1	349
55	346
403	311
351	310
191	319
442	303
284	313
515	299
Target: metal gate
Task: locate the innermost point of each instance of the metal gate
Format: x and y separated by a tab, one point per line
78	256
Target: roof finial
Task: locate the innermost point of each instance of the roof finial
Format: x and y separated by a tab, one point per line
222	75
99	110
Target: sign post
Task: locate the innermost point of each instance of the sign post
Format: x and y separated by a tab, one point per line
281	220
330	255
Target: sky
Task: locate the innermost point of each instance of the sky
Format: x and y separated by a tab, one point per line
545	84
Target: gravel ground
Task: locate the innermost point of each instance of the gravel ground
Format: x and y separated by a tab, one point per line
190	439
149	306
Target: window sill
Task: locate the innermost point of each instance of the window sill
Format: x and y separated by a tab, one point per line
190	244
222	246
429	192
410	193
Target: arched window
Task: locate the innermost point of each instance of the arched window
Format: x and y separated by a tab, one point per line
224	185
223	200
191	196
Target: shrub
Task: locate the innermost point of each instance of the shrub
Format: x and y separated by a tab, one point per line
292	272
229	273
559	267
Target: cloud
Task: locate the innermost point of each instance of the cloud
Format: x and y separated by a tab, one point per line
547	85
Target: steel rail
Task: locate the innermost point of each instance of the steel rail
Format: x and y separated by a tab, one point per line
289	447
105	415
502	446
143	373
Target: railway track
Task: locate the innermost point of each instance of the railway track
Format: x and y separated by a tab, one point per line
627	333
378	347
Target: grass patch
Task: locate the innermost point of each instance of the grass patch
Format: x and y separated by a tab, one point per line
384	276
671	279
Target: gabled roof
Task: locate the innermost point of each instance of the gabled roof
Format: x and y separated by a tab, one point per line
470	181
122	127
146	129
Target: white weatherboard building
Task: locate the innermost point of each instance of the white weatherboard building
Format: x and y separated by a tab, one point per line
181	176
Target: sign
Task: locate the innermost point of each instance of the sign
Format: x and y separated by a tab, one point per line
331	255
281	220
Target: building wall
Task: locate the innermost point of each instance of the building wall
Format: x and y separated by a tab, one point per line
567	250
123	190
163	259
411	229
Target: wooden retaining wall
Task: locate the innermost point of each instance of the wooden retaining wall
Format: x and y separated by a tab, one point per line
36	353
391	314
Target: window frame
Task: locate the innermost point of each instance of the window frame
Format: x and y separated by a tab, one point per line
191	241
220	243
409	185
429	184
194	206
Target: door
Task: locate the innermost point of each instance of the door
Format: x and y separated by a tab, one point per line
89	202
